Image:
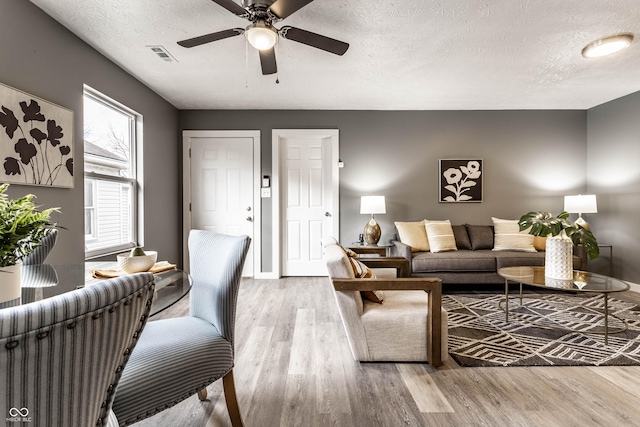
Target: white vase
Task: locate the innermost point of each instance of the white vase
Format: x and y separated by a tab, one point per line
10	278
558	259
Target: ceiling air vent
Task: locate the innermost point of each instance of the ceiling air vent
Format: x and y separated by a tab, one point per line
162	53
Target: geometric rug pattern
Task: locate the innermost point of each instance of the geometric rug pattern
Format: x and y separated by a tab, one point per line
536	334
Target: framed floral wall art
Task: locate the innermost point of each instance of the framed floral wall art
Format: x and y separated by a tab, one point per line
36	140
461	180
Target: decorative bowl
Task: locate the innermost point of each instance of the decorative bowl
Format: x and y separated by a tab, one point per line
137	264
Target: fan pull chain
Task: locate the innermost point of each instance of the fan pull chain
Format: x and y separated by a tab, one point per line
277	72
246	63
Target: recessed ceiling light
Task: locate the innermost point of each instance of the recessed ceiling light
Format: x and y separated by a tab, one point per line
607	45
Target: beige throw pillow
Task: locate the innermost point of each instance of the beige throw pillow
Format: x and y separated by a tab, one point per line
413	234
440	235
361	271
508	236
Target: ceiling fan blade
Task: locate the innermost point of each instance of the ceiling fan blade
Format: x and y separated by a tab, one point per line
284	8
315	40
208	38
268	61
233	7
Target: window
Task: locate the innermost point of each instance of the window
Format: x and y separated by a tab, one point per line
110	183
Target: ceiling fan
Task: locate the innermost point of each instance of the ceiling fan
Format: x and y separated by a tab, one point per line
261	33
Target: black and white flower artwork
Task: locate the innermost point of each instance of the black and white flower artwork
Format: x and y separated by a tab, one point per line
36	144
461	180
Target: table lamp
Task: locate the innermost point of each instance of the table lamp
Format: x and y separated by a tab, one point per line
582	203
372	205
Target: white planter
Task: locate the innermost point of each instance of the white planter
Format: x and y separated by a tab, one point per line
558	260
10	278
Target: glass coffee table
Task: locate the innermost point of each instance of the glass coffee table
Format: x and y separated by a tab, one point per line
583	282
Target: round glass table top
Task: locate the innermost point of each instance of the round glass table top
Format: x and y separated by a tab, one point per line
583	281
47	280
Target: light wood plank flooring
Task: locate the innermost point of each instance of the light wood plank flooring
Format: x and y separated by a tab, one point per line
294	368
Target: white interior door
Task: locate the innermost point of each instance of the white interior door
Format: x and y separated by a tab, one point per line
222	185
308	192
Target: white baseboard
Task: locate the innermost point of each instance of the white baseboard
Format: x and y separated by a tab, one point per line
634	287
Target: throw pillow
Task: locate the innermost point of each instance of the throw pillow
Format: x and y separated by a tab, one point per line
462	237
440	235
361	271
508	236
413	234
481	236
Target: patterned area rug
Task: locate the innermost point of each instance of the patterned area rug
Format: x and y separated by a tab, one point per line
479	335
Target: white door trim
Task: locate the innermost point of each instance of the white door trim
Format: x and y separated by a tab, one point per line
276	136
186	190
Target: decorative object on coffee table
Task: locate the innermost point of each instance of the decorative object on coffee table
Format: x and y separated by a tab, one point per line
372	205
461	180
562	236
582	203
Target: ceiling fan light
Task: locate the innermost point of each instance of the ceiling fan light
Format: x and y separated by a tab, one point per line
261	36
607	45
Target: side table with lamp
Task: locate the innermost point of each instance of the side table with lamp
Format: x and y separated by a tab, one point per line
584	204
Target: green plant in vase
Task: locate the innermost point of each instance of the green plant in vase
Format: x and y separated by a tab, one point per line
22	226
544	224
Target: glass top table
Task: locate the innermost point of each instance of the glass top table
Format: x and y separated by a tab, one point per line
47	280
583	281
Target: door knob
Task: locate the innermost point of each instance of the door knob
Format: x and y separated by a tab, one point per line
327	214
249	219
248	208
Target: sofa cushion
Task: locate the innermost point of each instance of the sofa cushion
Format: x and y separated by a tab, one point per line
508	236
461	237
517	258
440	236
413	234
480	236
460	261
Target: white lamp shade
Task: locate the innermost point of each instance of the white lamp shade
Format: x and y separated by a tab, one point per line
582	203
372	205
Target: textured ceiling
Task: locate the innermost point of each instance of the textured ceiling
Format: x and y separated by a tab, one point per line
403	55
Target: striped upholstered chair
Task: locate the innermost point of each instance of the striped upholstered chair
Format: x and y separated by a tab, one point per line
177	358
41	252
61	358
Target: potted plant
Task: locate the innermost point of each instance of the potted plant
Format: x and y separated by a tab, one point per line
562	236
22	227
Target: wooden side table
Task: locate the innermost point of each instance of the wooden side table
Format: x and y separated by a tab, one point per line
401	264
610	247
380	250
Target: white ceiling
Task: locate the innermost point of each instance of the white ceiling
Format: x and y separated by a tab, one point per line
403	54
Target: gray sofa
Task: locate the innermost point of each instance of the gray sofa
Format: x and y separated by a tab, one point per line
474	262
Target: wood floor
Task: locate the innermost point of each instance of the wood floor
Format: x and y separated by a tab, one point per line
294	368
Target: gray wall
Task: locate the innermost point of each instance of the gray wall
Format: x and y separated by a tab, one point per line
39	56
614	175
531	160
